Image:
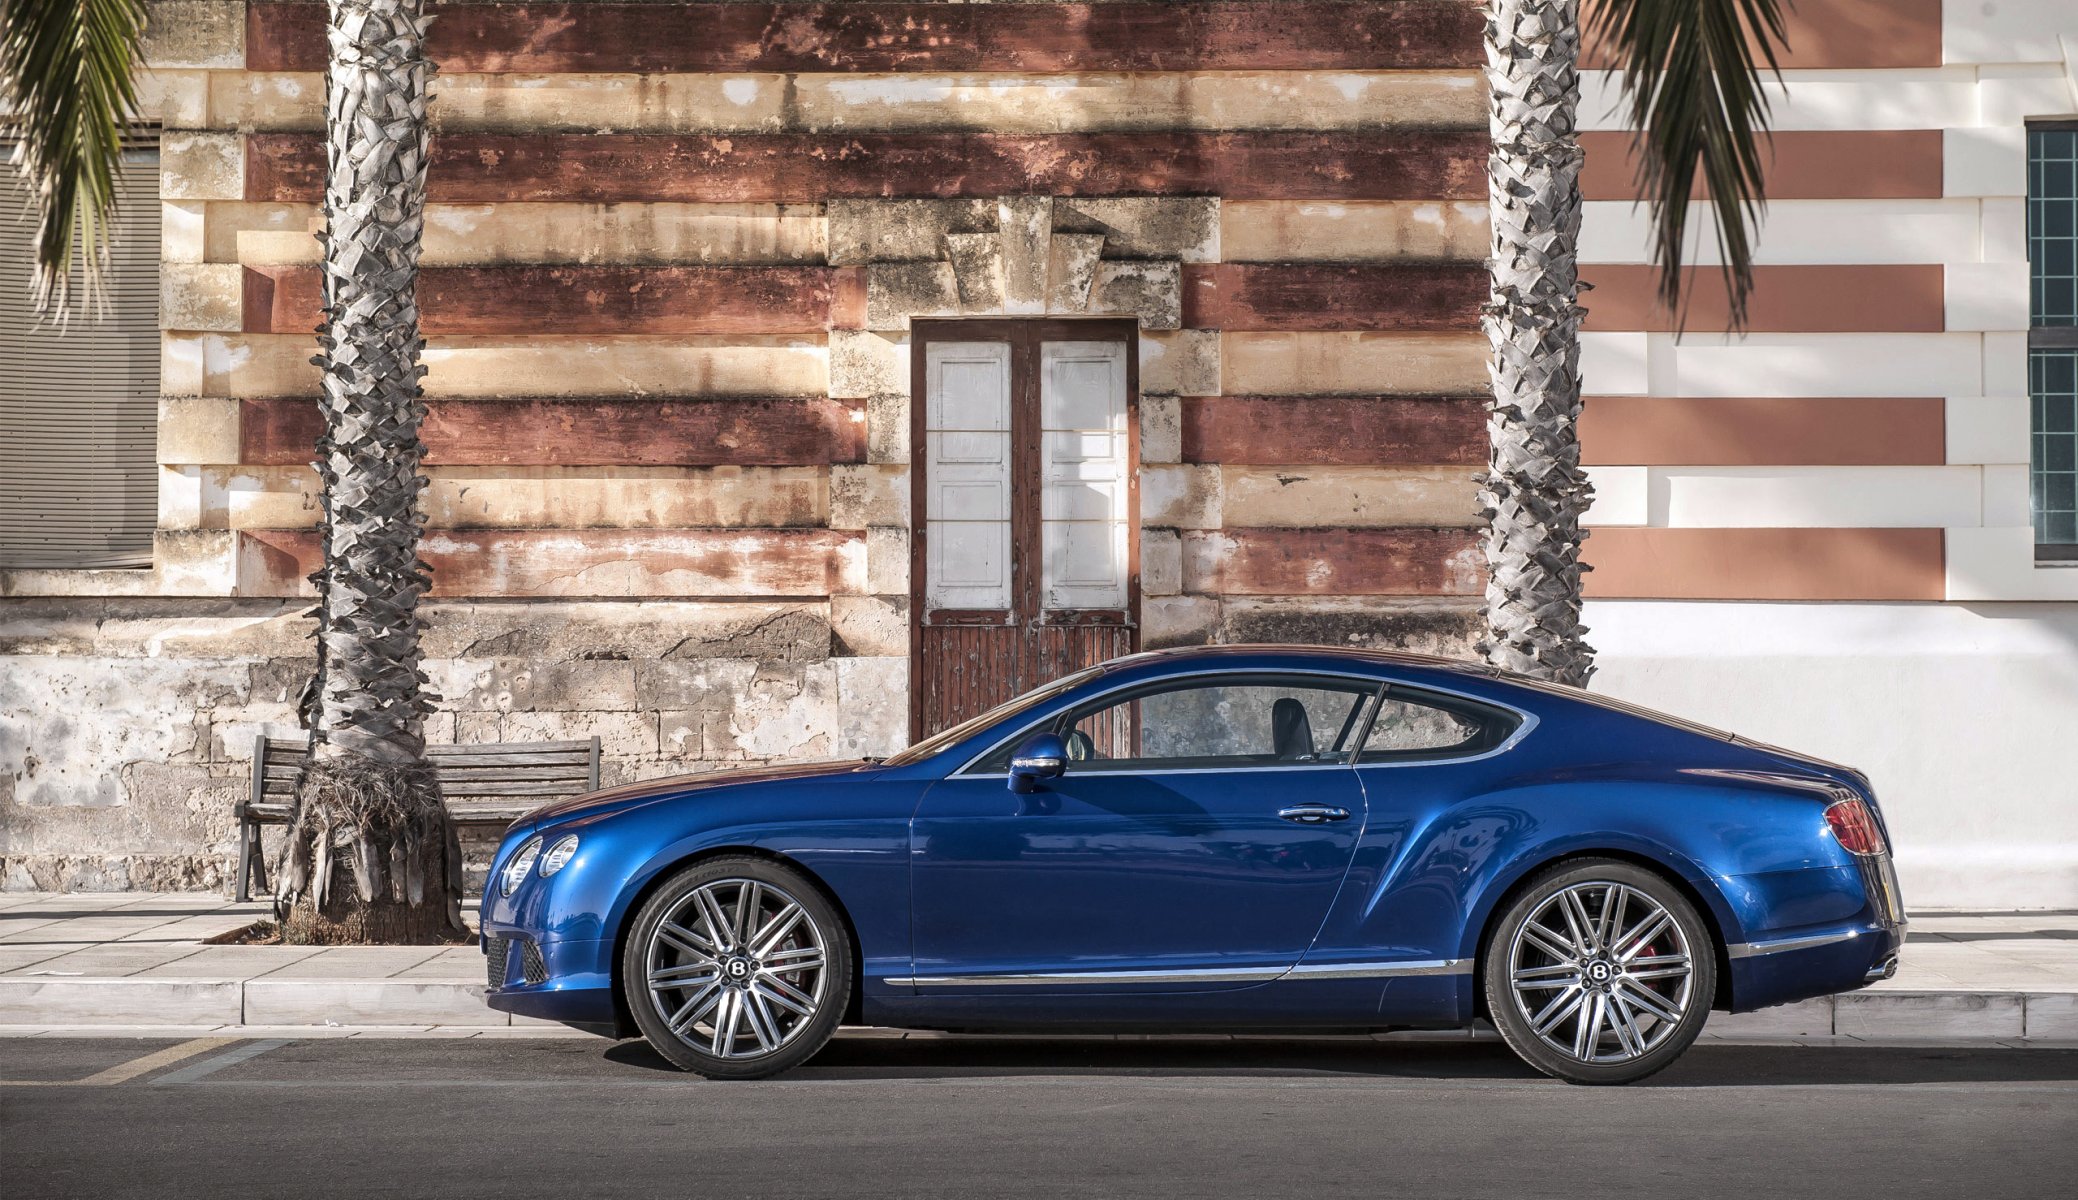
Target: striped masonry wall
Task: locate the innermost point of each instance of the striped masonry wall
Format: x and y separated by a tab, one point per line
1867	440
658	364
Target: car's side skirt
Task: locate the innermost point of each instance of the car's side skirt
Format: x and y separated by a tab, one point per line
1372	970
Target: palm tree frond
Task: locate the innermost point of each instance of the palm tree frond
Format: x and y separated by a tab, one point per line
1692	86
68	94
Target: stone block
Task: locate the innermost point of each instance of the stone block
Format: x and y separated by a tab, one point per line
647	630
530	685
711	684
1448	628
206	34
864	231
887	428
201	166
620	734
367	1002
1184	496
977	270
887	560
1943	1015
869	626
1071	272
196	562
122	1001
1151	291
1161	562
1178	621
1184	362
865	364
198	430
867	494
202	296
1161	429
175	99
181	231
1180	227
897	291
873	705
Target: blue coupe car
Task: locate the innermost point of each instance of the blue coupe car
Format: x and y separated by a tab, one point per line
1231	838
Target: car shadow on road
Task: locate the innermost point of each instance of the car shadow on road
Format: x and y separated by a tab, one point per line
921	1058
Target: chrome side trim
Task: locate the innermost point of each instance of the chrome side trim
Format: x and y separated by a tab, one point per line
1369	970
1382	970
1751	949
1180	975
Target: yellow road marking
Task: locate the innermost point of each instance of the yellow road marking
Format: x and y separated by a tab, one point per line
124	1072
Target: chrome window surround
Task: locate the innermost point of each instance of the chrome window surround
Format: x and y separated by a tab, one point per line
1380	686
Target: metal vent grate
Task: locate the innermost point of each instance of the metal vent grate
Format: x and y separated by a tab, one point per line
532	969
495	951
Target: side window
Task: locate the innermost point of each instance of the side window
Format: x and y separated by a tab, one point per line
1411	727
1217	724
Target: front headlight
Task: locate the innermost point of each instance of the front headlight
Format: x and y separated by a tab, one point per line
558	855
516	870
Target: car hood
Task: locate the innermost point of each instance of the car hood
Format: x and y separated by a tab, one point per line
632	795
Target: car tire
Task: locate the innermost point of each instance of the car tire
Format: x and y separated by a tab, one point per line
1599	972
735	995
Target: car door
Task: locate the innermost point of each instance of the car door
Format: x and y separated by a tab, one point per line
1195	842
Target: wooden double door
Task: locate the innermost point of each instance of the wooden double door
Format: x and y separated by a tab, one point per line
1024	449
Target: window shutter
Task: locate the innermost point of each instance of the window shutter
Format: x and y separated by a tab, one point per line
79	403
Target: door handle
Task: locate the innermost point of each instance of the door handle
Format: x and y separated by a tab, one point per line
1313	814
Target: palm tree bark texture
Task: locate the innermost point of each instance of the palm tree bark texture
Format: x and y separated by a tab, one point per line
371	854
1534	492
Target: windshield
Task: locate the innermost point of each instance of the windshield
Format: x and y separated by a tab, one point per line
1002	712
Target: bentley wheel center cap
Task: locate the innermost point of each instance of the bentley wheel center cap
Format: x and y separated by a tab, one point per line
1600	972
737	969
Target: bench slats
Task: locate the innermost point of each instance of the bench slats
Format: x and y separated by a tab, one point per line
285	773
467	814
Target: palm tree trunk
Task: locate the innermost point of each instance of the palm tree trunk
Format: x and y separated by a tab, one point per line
1534	492
371	854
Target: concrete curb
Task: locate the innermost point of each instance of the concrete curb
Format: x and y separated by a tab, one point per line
44	1002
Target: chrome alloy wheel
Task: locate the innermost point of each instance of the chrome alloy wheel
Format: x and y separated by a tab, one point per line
736	969
1601	972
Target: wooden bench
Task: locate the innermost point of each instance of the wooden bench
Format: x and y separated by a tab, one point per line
489	784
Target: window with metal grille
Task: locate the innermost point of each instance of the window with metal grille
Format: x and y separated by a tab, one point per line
2052	247
79	402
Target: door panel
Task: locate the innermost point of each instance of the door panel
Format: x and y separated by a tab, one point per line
1187	878
1024	567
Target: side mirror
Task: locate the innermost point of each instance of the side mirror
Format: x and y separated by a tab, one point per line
1043	756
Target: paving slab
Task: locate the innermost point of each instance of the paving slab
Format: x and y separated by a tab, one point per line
1896	1014
2052	1015
1806	1018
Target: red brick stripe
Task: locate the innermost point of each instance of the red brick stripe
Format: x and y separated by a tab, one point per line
1769	431
593	562
573	300
1397	296
1801	165
804	168
1295	34
1765	564
1785	299
1334	430
1333	562
594	432
1846	33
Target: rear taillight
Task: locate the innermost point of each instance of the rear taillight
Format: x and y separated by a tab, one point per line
1856	827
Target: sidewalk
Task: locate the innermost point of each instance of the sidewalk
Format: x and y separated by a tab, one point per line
129	960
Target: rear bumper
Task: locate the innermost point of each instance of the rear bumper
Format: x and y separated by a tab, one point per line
1783	970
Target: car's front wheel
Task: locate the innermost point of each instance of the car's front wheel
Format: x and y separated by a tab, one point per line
1600	972
737	968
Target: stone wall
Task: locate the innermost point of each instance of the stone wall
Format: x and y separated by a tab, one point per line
127	726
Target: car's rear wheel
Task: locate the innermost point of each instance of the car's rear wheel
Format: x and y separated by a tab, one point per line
738	968
1600	972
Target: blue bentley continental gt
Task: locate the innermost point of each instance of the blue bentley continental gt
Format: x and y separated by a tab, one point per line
1230	838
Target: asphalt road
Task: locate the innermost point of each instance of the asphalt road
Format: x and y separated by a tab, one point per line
984	1118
